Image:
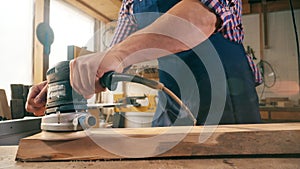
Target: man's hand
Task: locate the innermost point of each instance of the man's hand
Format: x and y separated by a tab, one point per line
36	99
85	72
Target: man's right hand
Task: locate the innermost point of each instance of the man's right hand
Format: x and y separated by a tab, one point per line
36	99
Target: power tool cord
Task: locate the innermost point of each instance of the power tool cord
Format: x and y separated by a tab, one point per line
110	80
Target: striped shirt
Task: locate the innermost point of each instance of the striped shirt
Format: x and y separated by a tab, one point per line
229	11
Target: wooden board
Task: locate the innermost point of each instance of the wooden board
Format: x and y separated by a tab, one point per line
4	108
107	144
7	154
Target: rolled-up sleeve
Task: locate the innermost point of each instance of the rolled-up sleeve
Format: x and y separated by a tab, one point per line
219	9
126	23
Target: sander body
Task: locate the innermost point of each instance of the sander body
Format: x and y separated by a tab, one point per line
66	110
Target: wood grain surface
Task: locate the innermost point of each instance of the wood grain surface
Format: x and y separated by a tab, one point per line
163	142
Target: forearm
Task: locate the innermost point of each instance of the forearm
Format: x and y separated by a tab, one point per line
184	26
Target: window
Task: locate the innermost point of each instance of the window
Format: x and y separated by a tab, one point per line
16	32
71	27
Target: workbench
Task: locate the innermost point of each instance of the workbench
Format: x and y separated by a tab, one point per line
280	114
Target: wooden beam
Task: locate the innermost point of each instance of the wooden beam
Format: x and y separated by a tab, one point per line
40	60
90	10
107	144
118	3
38	47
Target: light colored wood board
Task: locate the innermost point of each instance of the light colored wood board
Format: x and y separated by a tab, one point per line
4	108
7	156
107	144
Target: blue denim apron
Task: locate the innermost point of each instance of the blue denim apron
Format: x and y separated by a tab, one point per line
187	75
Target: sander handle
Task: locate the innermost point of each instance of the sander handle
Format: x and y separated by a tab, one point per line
110	80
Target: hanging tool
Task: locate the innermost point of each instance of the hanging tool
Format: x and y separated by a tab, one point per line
45	35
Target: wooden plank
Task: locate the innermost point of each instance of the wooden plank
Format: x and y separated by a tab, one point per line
7	154
106	144
4	108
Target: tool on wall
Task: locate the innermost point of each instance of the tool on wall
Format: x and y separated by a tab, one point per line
45	36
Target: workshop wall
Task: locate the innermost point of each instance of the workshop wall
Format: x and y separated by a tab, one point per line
281	54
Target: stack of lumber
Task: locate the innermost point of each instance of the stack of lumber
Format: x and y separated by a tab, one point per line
4	108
